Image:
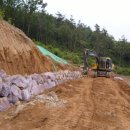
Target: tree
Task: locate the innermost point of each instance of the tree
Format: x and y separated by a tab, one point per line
60	18
97	28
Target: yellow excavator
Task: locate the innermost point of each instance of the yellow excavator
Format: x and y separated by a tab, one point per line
102	67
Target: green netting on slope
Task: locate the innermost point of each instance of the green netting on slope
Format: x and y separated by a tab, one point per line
54	57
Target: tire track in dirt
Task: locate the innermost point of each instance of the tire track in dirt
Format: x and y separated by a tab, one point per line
78	110
109	106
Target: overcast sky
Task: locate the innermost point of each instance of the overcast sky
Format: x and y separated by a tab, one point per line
113	15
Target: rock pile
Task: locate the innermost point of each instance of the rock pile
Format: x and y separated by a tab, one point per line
50	100
22	88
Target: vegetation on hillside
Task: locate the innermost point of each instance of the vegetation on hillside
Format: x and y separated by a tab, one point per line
63	36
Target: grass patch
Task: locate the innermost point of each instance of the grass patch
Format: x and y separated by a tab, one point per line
122	70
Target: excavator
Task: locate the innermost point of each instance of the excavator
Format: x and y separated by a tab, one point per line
103	65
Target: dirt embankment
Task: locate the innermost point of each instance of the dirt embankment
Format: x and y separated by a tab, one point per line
18	54
92	104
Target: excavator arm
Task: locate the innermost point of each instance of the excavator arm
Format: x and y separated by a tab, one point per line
87	53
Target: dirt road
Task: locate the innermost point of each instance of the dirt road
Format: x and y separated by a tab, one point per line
92	104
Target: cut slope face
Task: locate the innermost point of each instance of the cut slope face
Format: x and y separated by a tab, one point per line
18	54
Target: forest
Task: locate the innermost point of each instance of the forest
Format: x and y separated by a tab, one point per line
63	36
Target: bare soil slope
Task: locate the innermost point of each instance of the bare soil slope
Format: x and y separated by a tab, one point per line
18	54
92	104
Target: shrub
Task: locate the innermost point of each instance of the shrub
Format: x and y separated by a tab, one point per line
122	70
1	14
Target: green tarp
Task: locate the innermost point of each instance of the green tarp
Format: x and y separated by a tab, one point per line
54	57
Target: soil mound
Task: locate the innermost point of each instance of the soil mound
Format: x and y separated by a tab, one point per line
18	54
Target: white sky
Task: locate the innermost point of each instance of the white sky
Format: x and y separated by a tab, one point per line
113	15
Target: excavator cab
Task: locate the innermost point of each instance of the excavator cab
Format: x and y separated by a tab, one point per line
105	63
104	67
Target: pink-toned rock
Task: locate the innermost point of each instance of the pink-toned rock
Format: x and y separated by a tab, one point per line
35	90
13	99
25	94
4	104
51	83
50	75
16	91
5	90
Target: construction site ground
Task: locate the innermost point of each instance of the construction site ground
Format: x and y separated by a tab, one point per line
89	104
